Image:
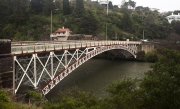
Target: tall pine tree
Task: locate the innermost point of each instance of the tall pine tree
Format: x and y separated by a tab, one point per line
36	6
66	7
79	9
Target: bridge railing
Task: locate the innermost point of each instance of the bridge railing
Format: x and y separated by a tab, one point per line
32	47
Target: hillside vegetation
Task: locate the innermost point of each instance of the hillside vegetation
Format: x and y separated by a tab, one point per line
28	20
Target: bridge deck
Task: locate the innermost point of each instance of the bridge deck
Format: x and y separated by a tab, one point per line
40	46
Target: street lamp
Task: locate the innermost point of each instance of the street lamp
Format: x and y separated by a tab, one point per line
143	34
107	6
107	29
51	23
107	16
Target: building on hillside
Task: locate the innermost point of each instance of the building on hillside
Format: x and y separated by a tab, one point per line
172	17
154	9
61	34
104	2
64	34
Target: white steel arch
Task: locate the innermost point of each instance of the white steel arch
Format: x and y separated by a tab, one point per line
36	69
89	54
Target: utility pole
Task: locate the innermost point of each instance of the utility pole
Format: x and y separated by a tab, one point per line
107	6
107	16
143	34
106	31
51	23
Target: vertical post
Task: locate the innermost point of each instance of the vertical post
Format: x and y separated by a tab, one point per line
143	34
51	27
107	6
107	16
52	75
106	31
65	58
35	71
77	57
51	24
116	35
14	71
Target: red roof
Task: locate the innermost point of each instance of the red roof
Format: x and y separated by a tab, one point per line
62	30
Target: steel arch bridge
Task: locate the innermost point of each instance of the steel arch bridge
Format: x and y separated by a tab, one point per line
44	64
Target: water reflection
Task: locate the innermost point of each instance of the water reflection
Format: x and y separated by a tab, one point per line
97	74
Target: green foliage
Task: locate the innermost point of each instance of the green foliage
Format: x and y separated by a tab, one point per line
72	99
48	6
141	55
151	56
7	105
124	93
36	6
79	9
35	97
66	7
176	26
159	89
30	20
162	82
110	5
126	21
3	96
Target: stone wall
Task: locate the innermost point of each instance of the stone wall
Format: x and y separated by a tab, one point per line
6	64
146	47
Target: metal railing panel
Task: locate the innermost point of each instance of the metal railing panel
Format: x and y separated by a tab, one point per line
32	46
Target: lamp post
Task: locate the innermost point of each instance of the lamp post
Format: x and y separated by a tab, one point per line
107	16
106	31
143	34
107	6
51	23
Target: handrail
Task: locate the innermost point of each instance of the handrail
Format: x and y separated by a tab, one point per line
40	46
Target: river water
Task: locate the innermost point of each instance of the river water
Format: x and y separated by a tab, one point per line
96	75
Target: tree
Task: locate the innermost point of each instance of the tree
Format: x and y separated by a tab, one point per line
36	6
126	21
173	38
176	12
123	95
20	15
159	89
66	8
48	5
79	8
132	3
72	99
110	5
5	11
34	96
162	82
88	24
4	96
176	27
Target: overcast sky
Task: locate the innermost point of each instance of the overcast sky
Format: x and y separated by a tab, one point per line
163	5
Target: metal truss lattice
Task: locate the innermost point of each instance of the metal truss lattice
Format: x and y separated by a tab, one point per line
46	70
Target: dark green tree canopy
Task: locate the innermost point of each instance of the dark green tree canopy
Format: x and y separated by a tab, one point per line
66	7
79	8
